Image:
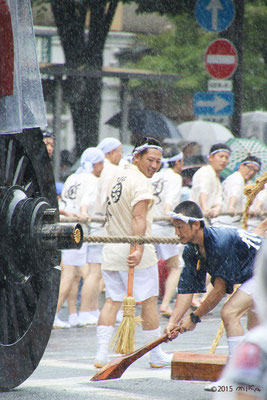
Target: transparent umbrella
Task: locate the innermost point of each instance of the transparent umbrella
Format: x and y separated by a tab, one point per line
205	133
241	148
254	125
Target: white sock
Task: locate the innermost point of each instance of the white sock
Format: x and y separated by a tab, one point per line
233	343
153	335
103	336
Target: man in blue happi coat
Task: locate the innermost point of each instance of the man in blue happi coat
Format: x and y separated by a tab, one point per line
227	254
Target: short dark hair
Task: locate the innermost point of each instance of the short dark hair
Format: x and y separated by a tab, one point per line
220	146
252	158
146	139
48	134
190	209
170	151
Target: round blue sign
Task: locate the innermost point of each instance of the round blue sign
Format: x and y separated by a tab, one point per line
215	15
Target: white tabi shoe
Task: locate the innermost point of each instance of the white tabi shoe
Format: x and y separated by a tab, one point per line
59	324
86	318
73	320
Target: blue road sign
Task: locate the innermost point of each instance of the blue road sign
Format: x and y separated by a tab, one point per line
213	103
215	15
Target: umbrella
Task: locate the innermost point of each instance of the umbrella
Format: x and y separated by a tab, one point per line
205	133
147	123
242	147
254	125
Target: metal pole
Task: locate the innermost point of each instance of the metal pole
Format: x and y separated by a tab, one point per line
57	126
124	111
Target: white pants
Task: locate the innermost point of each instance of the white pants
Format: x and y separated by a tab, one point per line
145	283
94	253
166	251
75	257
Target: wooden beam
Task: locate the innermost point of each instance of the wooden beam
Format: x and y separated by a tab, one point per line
197	366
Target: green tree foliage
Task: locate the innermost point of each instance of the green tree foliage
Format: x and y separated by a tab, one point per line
178	51
181	51
255	56
81	49
169	7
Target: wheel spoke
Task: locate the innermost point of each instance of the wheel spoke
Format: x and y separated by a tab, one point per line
3	317
22	311
13	324
20	170
29	188
2	160
30	297
10	162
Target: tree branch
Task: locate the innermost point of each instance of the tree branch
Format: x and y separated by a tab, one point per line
110	14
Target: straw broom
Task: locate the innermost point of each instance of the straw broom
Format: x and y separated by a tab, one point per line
123	340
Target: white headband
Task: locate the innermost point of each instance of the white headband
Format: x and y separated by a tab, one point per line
178	157
217	151
251	162
183	218
146	146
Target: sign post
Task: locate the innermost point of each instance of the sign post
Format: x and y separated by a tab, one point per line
221	59
213	103
215	15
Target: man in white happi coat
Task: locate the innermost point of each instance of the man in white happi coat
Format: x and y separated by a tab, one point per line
206	184
233	189
130	212
78	196
112	148
167	184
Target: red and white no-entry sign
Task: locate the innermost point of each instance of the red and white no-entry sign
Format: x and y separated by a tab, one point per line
221	59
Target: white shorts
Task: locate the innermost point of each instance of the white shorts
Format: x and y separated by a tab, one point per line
94	253
249	287
145	283
75	257
166	251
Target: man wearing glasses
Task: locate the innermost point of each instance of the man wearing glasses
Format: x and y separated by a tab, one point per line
233	189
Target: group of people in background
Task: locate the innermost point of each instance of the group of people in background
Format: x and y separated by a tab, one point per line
130	195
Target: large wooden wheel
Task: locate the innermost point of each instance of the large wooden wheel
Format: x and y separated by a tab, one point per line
29	280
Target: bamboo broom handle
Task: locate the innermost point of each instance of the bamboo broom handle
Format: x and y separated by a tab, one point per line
130	276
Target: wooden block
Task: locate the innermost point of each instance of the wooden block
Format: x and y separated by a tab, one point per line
197	366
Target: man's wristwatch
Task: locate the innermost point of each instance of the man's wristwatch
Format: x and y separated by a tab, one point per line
195	318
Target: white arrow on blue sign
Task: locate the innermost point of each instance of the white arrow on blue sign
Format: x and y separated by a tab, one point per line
213	103
215	15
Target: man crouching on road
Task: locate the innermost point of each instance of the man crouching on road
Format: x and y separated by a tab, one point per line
227	254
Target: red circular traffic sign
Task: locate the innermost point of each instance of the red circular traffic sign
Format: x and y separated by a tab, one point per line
221	59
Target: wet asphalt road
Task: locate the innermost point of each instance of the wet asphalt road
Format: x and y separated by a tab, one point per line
67	366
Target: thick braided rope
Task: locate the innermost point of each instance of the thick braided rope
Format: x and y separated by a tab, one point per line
130	239
251	192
